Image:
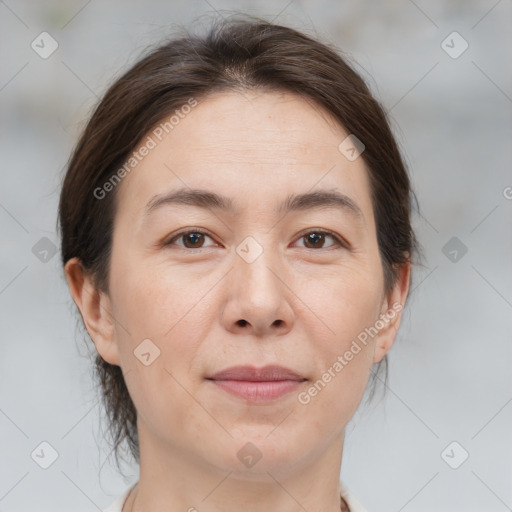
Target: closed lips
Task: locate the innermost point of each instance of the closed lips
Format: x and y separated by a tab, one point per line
257	385
252	374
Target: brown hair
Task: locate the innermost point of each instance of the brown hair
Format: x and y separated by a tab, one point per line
238	53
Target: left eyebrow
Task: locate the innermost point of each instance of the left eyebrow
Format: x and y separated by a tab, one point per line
321	199
295	202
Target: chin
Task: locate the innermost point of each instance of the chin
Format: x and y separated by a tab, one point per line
254	451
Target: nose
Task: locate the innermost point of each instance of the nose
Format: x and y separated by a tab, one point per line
258	297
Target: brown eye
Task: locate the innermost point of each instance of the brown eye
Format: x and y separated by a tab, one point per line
315	239
193	239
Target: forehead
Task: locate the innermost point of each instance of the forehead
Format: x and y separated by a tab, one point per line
255	147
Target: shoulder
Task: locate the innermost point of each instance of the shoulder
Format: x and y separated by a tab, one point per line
351	500
117	504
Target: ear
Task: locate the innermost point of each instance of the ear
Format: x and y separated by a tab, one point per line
391	313
96	311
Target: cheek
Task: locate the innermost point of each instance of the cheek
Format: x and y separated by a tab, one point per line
170	309
164	308
156	302
347	305
345	300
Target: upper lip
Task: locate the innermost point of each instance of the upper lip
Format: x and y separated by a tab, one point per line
252	374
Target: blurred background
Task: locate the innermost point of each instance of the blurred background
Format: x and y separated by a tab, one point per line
439	437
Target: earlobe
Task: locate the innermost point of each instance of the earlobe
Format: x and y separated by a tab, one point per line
95	309
391	313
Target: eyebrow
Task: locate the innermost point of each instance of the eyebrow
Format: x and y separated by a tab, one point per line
295	202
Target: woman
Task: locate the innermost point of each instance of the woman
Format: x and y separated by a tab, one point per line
236	235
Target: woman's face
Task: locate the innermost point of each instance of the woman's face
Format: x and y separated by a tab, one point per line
259	285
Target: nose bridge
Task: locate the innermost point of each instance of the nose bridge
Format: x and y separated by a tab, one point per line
256	265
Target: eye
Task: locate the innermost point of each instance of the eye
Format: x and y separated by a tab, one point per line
315	238
192	239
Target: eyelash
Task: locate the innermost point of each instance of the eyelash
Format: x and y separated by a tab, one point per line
341	243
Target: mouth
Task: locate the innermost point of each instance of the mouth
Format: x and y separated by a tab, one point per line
257	384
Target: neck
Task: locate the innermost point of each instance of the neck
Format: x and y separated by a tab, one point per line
173	479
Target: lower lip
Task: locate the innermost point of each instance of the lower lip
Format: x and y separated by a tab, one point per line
258	391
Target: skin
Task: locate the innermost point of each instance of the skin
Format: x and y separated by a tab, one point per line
256	148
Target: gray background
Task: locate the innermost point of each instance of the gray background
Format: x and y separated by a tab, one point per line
450	377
